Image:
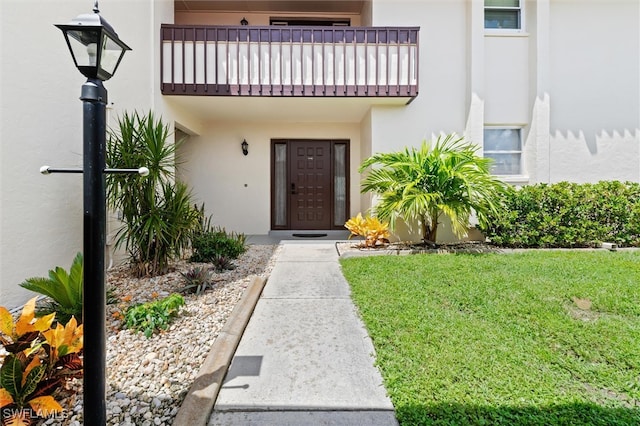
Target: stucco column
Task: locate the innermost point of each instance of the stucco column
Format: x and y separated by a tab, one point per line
474	127
539	136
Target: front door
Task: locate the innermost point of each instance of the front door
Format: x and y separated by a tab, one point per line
309	184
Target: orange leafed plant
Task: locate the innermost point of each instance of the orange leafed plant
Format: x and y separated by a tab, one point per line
374	232
40	360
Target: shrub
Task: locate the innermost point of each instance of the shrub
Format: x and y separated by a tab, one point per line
64	290
151	316
568	214
216	242
373	231
40	360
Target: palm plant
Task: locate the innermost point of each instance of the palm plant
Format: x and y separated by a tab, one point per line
423	184
63	290
157	212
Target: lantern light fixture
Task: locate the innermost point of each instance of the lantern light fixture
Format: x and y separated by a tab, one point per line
94	45
245	147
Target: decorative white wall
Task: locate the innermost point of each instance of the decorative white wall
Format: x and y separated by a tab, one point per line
594	90
570	79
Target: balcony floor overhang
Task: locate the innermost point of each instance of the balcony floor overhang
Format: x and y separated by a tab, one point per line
277	109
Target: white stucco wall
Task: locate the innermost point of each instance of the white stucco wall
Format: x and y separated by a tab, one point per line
441	103
570	79
41	118
254	18
506	80
595	90
365	152
41	123
236	188
575	93
365	13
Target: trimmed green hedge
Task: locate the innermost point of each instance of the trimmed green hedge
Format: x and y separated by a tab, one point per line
568	214
216	242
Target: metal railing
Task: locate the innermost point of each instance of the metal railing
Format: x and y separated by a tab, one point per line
289	61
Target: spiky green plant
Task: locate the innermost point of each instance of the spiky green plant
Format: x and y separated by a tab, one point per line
197	280
157	212
445	177
63	289
222	263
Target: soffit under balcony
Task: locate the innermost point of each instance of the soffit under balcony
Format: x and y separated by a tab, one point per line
306	6
279	109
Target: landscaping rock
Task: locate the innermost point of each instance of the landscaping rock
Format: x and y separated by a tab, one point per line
147	379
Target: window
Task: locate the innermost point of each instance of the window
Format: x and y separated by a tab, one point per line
503	14
504	146
311	22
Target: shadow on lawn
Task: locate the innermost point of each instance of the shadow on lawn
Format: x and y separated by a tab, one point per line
564	414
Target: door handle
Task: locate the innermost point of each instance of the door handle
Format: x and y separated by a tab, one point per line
293	189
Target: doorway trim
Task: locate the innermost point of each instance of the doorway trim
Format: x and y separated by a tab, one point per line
284	223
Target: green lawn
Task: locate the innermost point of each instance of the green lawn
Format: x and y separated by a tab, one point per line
537	338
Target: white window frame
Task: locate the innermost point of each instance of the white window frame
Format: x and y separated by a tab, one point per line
521	172
519	30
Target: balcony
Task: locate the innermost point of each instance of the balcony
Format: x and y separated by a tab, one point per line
289	61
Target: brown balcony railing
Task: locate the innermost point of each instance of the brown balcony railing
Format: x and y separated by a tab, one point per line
289	61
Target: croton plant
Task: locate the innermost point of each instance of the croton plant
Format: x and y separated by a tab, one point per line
40	357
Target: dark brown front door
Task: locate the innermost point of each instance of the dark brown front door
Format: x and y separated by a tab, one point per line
310	171
309	184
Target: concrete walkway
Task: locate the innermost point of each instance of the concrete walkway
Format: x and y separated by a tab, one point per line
305	357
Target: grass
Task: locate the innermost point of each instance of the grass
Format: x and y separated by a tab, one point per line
536	338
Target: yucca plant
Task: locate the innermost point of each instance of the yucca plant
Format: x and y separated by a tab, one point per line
445	177
205	223
41	358
157	212
63	289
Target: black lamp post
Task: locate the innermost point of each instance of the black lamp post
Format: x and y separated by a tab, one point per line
97	52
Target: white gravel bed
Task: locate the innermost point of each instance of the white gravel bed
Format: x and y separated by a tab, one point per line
147	379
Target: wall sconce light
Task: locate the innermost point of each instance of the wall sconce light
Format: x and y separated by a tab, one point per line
245	147
244	21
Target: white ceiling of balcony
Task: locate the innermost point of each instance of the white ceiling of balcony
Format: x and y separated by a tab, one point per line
302	6
279	109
